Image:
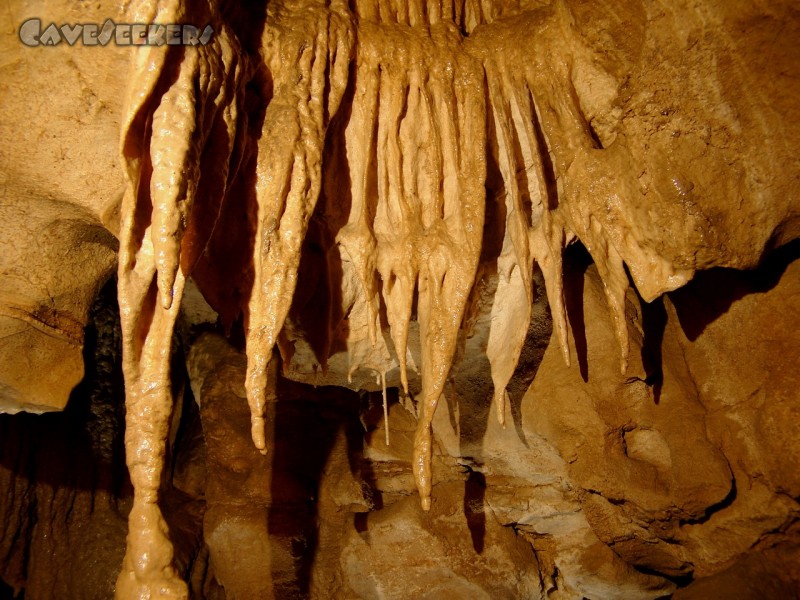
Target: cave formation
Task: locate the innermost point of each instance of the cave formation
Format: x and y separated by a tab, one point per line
391	298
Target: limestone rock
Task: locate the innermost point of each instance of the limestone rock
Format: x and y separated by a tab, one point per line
61	185
393	197
661	502
455	551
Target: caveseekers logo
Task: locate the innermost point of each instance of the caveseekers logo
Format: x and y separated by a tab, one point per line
122	34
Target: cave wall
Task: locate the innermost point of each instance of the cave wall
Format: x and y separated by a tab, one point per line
502	234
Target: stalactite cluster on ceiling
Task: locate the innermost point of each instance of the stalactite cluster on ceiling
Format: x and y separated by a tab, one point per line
394	141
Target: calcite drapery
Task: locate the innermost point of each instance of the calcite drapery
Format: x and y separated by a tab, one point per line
433	92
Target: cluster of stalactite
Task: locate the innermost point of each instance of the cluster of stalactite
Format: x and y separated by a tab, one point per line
228	157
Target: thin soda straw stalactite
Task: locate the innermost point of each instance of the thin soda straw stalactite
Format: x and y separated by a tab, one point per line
385	407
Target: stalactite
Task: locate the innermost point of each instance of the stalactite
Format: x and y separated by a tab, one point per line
385	407
306	48
420	225
180	98
511	312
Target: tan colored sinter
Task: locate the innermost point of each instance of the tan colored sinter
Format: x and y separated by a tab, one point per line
436	88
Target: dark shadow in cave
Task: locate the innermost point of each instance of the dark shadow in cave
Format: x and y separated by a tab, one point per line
472	381
576	260
536	343
468	380
679	580
711	293
224	270
57	468
371	417
90	428
654	321
548	170
7	592
317	313
297	466
703	300
313	301
316	309
474	510
684	579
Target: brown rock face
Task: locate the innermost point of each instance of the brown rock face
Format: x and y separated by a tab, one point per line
333	515
663	471
506	240
65	495
61	187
